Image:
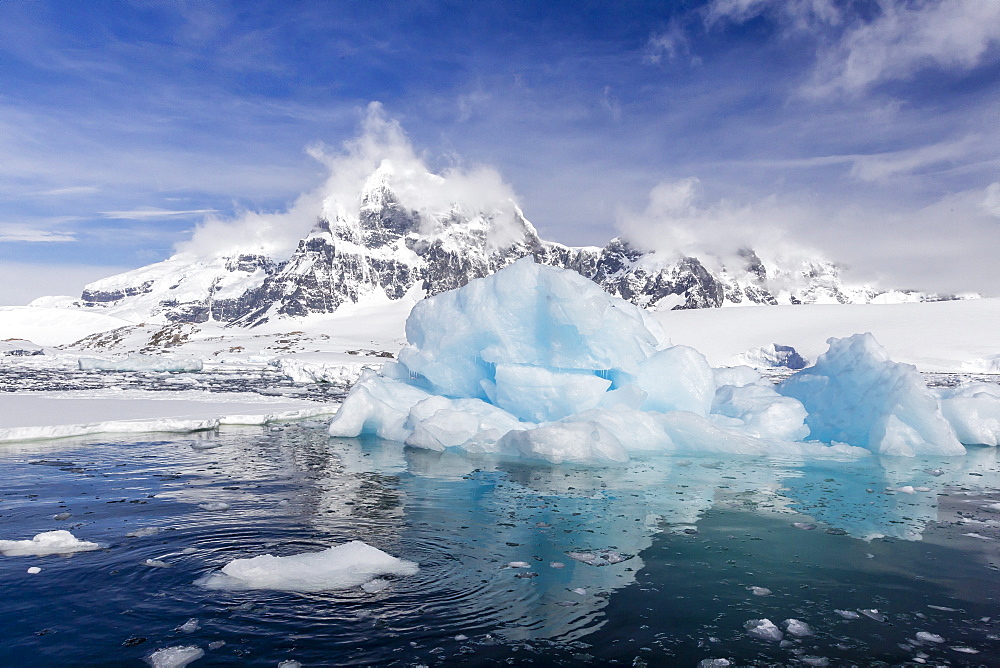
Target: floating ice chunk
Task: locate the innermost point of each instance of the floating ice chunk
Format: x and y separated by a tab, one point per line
289	663
375	586
579	590
765	413
714	663
819	661
848	614
45	543
156	563
436	423
855	394
764	629
143	532
759	591
677	379
517	564
964	650
557	564
175	657
561	442
797	628
139	362
927	636
190	626
214	506
873	613
216	644
770	356
342	567
737	376
34	570
805	526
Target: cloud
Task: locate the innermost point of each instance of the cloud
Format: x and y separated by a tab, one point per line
991	199
671	44
881	166
797	14
144	213
19	233
71	190
611	104
380	145
904	39
678	222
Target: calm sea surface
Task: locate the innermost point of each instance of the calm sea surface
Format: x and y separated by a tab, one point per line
918	540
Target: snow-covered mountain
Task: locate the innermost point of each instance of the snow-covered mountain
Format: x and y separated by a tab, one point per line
379	246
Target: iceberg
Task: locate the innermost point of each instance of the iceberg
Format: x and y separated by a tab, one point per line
974	413
140	362
540	363
855	394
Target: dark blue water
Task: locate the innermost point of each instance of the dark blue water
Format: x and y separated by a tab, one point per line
695	534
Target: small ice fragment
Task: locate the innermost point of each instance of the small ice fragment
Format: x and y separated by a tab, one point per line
375	586
992	506
567	604
214	506
190	626
926	636
848	614
934	472
62	516
342	567
873	614
714	663
797	628
557	564
34	570
819	661
785	644
143	532
517	564
460	637
760	591
922	489
216	644
805	526
973	534
47	542
599	558
175	657
869	555
585	557
763	629
941	608
289	663
526	575
156	563
905	489
580	590
965	650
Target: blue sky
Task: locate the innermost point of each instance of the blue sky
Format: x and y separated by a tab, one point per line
868	130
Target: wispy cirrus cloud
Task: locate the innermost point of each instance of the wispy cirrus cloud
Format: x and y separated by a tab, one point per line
144	213
20	233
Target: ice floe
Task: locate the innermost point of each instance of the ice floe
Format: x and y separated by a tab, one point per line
45	543
341	567
175	657
140	362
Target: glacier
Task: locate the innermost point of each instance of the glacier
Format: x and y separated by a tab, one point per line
540	363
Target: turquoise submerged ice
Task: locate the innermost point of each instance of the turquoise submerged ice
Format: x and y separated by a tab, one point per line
539	362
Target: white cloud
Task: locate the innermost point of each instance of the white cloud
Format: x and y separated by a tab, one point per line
17	232
671	44
381	143
881	166
991	199
145	213
611	104
798	14
903	39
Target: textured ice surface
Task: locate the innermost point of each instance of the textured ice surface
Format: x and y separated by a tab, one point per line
773	355
974	413
301	371
48	542
764	629
175	657
140	362
342	567
855	394
539	362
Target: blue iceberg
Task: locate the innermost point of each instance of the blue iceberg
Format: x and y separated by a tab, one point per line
539	362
